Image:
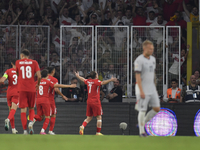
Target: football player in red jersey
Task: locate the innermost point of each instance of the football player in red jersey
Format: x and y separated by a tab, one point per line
26	69
51	70
12	95
93	102
42	102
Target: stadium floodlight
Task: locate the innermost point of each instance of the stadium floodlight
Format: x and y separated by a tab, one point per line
163	124
123	126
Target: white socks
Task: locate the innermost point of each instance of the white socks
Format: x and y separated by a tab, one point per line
42	130
141	122
142	119
150	115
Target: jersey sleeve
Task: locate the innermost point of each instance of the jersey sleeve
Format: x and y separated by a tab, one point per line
85	81
98	82
51	84
56	81
138	65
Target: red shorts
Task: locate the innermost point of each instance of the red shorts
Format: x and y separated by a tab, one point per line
43	109
94	110
12	99
26	99
53	109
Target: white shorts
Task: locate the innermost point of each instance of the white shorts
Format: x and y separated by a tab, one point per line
152	100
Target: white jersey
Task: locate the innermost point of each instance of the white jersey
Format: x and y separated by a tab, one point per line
147	69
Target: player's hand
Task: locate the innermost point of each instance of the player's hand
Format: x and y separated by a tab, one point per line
77	73
65	98
73	85
113	79
37	87
142	95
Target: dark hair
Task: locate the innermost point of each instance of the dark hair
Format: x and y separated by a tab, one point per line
92	74
120	23
195	71
13	61
74	78
174	80
152	12
50	69
160	15
119	80
44	73
25	52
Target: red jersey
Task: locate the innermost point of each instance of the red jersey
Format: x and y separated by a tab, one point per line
44	90
26	69
11	75
52	91
93	87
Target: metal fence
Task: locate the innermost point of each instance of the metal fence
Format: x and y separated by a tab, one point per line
157	35
77	51
112	55
8	51
37	40
74	50
174	60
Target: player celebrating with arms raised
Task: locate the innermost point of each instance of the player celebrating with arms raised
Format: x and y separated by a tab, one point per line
93	102
26	69
12	95
146	92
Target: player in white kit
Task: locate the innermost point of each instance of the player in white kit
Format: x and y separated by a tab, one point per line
145	91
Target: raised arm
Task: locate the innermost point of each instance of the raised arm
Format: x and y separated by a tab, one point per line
61	11
185	9
79	77
188	48
109	80
64	86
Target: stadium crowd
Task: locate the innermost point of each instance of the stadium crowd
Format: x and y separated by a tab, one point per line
112	42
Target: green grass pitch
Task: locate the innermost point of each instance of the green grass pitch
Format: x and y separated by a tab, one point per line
93	142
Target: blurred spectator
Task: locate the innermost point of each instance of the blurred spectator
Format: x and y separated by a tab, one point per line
193	14
174	69
55	59
64	18
197	76
173	5
73	94
191	93
177	20
173	94
111	73
157	33
139	17
115	95
152	18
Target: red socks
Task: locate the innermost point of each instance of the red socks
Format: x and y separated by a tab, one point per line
98	130
12	122
24	121
38	118
52	123
84	124
46	123
11	114
31	114
11	118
